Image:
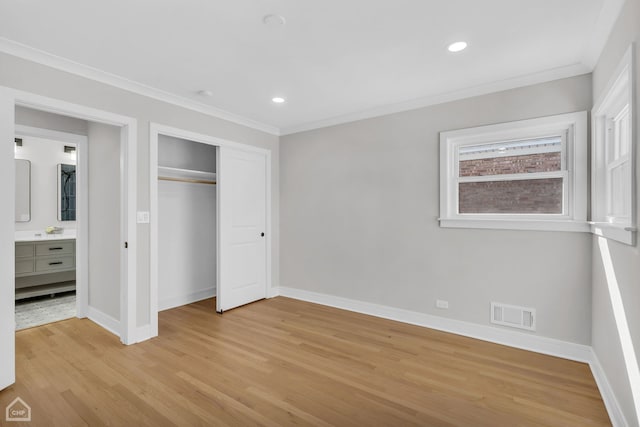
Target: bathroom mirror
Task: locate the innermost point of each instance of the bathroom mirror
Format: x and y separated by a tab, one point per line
66	192
23	190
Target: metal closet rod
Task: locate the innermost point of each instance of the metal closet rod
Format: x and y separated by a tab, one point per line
189	180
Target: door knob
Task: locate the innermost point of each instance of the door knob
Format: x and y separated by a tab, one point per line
262	234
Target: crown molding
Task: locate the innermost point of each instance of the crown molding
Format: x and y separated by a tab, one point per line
600	32
484	89
29	53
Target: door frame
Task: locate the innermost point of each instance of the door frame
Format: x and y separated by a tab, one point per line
82	208
155	130
9	98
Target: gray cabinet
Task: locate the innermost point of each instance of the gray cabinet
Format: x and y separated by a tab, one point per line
37	263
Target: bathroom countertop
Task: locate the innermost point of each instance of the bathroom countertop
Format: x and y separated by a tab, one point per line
36	236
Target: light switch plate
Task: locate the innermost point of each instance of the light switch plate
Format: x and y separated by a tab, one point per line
143	217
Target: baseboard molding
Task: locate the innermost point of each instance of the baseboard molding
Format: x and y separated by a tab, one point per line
144	333
273	292
181	300
610	402
104	320
553	347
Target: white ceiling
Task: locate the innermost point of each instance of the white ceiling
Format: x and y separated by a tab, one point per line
332	59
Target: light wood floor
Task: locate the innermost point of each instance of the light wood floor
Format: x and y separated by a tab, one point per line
285	362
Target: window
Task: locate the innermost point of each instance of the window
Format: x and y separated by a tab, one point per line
613	202
528	175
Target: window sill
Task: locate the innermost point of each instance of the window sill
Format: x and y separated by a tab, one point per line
619	233
517	224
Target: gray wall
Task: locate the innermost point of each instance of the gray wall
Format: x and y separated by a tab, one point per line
626	259
44	120
31	77
359	206
184	154
104	218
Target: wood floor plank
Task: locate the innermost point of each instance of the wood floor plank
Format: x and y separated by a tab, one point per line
286	362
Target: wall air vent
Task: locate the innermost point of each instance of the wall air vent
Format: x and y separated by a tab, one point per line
514	316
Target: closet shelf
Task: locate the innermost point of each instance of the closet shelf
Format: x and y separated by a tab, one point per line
166	173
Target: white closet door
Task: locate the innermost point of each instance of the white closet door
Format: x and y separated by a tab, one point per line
242	220
7	248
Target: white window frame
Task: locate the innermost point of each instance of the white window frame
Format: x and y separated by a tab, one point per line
572	127
618	97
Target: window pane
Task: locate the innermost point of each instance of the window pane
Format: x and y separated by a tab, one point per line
526	156
528	196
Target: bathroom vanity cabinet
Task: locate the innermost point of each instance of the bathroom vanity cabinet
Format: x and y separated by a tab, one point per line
45	259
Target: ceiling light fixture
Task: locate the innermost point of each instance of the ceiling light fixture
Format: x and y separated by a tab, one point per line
278	100
274	20
457	46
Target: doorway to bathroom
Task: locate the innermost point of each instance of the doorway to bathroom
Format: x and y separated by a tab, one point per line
104	235
50	204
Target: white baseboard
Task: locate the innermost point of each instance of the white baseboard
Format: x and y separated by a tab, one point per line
178	301
610	402
273	292
550	346
144	333
107	322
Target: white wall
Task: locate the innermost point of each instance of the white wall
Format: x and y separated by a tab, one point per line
359	206
606	338
187	226
44	155
31	77
104	219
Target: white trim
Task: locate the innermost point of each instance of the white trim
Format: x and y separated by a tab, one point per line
572	127
522	340
128	153
273	292
192	297
155	130
600	32
143	333
107	322
531	342
484	89
620	87
82	223
608	396
515	224
41	57
620	233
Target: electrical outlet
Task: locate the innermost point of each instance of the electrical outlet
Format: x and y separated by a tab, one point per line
442	304
143	218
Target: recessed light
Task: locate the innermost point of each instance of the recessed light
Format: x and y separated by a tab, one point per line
278	100
205	92
457	46
274	20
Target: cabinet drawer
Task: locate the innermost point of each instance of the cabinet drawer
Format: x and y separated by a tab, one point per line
54	248
55	264
24	251
24	266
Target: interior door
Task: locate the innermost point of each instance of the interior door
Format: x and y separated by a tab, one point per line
242	212
7	245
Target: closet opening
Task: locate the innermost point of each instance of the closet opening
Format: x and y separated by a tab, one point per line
187	222
210	220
